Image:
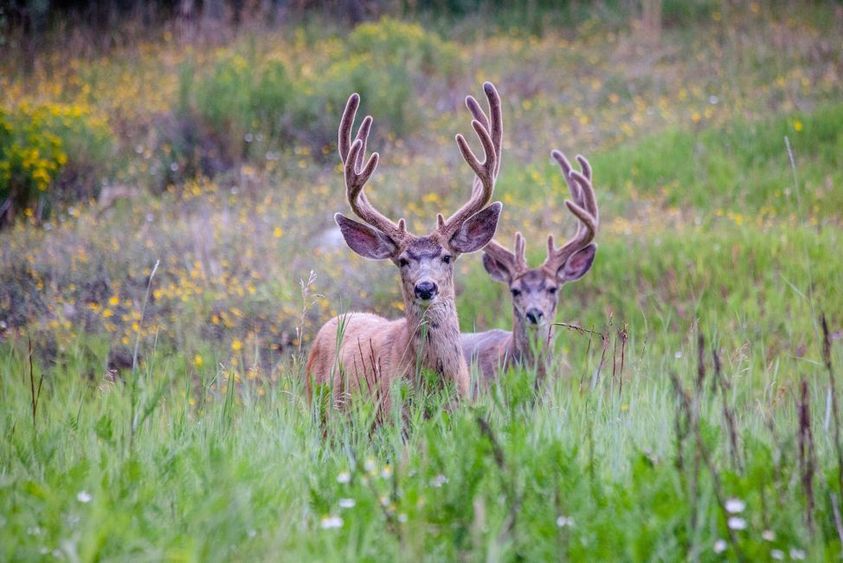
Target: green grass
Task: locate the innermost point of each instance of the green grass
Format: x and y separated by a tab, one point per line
741	167
171	464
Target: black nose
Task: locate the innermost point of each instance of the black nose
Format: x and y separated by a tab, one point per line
534	315
426	290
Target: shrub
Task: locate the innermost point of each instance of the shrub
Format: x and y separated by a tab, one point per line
316	112
240	98
48	153
247	103
385	62
392	42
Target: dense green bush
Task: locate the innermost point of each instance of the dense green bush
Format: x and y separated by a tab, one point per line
47	151
386	88
240	96
393	42
250	103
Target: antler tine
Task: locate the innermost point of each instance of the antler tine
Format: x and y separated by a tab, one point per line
496	120
489	130
583	207
357	173
346	124
585	165
363	135
520	252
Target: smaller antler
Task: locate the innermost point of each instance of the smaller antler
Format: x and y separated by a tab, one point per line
489	130
357	174
584	208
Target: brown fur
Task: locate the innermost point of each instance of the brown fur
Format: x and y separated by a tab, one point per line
361	350
527	344
535	291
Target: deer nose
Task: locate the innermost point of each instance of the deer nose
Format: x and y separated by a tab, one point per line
534	315
426	290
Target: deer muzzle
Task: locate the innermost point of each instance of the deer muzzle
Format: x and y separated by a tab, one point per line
426	290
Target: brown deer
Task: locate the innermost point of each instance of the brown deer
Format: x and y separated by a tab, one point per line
535	291
362	351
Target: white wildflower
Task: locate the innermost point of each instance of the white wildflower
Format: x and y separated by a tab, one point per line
331	522
564	521
402	517
677	354
344	477
720	546
768	535
347	502
735	505
736	523
777	554
438	481
386	472
796	553
84	497
369	465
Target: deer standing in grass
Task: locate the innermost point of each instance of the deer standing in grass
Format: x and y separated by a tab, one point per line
535	291
364	351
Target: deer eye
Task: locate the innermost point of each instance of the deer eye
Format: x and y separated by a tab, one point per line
551	290
515	292
447	258
403	262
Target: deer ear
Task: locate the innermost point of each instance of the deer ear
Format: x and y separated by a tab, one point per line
364	240
577	265
496	270
477	230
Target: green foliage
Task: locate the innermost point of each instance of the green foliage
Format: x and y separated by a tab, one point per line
38	144
686	13
202	467
239	98
252	102
741	167
392	42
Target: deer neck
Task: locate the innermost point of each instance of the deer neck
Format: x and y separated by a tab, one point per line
434	333
529	346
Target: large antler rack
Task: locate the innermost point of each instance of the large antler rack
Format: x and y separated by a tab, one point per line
584	208
357	174
489	129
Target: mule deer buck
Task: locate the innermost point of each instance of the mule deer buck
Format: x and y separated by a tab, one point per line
368	352
535	291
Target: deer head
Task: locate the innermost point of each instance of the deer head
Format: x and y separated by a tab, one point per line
426	263
535	291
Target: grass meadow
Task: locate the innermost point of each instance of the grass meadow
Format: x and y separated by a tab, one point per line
174	253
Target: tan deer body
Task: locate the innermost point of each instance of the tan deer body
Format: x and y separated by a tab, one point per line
535	291
362	351
374	351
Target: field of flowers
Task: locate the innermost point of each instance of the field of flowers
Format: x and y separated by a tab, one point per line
168	252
